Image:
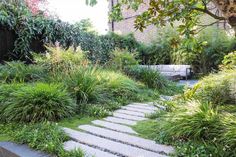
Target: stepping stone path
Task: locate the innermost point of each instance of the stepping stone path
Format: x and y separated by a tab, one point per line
114	137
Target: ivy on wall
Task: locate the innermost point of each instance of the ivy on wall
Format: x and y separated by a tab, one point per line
16	16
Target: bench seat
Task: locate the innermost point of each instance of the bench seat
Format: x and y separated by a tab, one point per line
171	70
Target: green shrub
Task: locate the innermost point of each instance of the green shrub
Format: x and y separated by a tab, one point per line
218	44
20	72
122	58
216	88
60	60
46	137
149	77
38	102
162	47
229	61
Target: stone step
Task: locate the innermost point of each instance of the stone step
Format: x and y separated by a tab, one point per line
132	113
109	145
137	110
89	151
129	117
120	121
151	108
9	149
113	126
127	139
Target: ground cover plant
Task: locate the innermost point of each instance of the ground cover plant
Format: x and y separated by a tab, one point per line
46	136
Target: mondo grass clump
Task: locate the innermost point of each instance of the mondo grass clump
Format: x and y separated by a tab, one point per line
38	102
200	123
83	84
149	77
16	71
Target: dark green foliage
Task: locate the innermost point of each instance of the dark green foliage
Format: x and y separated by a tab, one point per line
218	44
6	90
151	78
38	102
20	72
162	48
122	58
16	17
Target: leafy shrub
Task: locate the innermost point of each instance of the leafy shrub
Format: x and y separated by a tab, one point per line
20	72
161	49
122	58
149	77
216	88
218	44
46	137
38	102
61	60
229	61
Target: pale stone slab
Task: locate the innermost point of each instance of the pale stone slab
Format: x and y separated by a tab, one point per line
151	108
127	139
113	126
129	108
143	104
120	121
133	113
9	149
89	151
109	145
129	117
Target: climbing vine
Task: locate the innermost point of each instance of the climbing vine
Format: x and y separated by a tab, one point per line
17	17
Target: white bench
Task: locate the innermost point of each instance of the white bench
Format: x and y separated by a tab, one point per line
172	70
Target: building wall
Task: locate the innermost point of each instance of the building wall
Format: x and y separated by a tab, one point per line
126	26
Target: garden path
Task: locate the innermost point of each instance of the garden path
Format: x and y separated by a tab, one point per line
113	136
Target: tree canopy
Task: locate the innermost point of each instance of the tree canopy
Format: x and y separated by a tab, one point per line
188	12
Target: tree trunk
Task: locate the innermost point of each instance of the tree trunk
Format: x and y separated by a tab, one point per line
228	10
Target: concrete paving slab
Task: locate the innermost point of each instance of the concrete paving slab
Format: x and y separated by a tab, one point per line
151	108
129	108
89	151
109	145
129	117
128	139
120	121
113	126
133	113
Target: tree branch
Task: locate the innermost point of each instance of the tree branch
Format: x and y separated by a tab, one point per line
206	11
